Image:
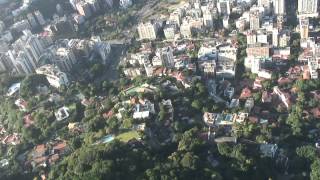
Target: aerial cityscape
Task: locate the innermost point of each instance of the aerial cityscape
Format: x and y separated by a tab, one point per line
159	89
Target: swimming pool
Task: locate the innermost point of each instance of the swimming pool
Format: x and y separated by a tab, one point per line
107	139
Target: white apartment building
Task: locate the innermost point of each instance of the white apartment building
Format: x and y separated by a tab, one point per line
170	31
279	7
65	59
308	8
185	30
254	21
55	77
224	7
147	30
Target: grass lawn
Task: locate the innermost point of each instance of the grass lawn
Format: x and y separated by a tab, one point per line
127	136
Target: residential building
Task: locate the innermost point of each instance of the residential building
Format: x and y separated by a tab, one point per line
2	26
225	22
313	66
65	59
209	118
308	8
32	20
26	52
5	63
284	97
94	5
166	56
170	31
241	117
39	18
224	7
21	26
275	37
175	17
185	30
262	37
147	30
74	3
103	49
226	66
125	3
13	89
258	50
23	63
143	110
284	39
254	21
55	77
279	7
62	113
304	28
241	24
84	8
209	69
22	104
264	3
207	18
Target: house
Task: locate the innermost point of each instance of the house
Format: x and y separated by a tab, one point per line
284	97
225	119
59	147
62	113
13	89
22	104
246	93
139	127
249	104
4	162
209	118
87	102
28	121
234	103
229	92
108	114
265	74
294	72
39	151
241	117
143	109
13	139
257	84
75	127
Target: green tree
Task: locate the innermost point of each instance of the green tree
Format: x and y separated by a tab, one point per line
315	170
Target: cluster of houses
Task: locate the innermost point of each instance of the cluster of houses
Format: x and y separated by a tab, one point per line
45	155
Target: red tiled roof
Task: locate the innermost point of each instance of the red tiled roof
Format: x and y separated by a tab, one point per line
28	120
40	148
316	112
60	146
108	114
246	93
